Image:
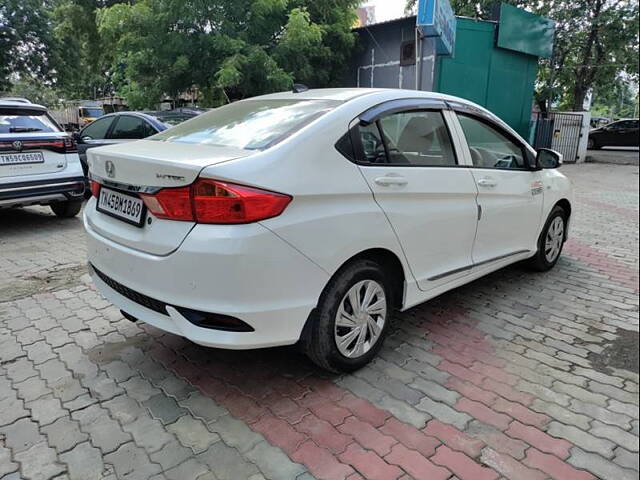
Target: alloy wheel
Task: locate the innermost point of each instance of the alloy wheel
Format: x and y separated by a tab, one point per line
360	318
554	239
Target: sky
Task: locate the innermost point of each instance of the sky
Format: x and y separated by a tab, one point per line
387	9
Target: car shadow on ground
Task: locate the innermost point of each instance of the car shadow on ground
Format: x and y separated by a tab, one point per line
23	220
259	373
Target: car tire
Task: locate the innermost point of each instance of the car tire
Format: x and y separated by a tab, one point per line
592	144
320	339
551	241
67	209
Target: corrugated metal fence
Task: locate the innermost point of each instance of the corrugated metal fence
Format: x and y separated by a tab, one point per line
560	131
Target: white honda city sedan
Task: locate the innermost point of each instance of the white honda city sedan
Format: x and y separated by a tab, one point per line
309	217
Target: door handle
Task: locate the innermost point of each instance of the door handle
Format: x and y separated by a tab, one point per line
487	182
388	180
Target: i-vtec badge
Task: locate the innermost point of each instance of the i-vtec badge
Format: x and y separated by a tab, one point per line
165	176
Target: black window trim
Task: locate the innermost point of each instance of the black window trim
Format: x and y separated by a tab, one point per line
483	117
395	106
373	114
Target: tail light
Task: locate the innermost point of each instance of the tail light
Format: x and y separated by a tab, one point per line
212	201
58	145
70	145
95	189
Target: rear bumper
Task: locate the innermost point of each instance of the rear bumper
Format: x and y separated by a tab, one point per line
41	191
245	272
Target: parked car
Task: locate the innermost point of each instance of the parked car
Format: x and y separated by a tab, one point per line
15	99
623	133
123	127
309	217
39	163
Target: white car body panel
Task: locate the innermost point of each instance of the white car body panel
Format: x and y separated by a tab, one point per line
217	281
433	214
271	274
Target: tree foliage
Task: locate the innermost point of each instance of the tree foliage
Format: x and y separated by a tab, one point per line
25	41
80	54
224	49
146	50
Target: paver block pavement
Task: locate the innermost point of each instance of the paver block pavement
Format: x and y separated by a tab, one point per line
515	376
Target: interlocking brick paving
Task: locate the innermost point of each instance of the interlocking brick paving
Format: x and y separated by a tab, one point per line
516	376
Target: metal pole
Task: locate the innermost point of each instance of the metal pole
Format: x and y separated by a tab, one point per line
417	61
419	82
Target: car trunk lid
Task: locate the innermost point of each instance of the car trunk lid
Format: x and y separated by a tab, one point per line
147	166
32	154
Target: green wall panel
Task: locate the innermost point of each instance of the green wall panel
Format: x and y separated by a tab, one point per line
499	80
525	32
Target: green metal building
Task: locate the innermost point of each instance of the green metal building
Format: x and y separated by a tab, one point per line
494	62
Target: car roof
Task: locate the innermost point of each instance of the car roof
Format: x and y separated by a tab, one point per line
16	99
346	94
156	122
21	104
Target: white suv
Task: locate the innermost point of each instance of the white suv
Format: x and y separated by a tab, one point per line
311	216
39	163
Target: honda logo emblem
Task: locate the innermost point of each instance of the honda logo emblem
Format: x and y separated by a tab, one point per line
17	145
110	168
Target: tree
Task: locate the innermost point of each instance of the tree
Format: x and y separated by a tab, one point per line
81	66
596	43
34	91
25	41
618	101
226	49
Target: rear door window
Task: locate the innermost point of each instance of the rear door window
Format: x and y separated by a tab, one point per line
98	129
248	124
418	138
22	120
130	127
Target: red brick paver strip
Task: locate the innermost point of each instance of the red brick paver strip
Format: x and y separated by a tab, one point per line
462	466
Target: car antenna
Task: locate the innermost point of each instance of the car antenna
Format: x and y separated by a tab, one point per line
299	88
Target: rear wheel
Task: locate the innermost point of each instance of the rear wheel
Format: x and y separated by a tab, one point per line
592	144
551	241
348	327
67	209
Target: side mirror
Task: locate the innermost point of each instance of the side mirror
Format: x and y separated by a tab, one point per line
548	158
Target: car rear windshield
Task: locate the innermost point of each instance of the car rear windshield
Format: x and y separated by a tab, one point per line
172	120
91	112
21	120
249	124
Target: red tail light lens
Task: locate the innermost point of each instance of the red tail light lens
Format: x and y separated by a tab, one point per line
70	145
221	202
170	203
95	189
211	201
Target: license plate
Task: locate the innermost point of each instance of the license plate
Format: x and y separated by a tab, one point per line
122	206
21	158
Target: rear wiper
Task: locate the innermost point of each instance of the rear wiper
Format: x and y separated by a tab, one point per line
24	129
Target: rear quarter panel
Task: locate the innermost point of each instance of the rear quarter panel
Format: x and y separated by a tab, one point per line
333	215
